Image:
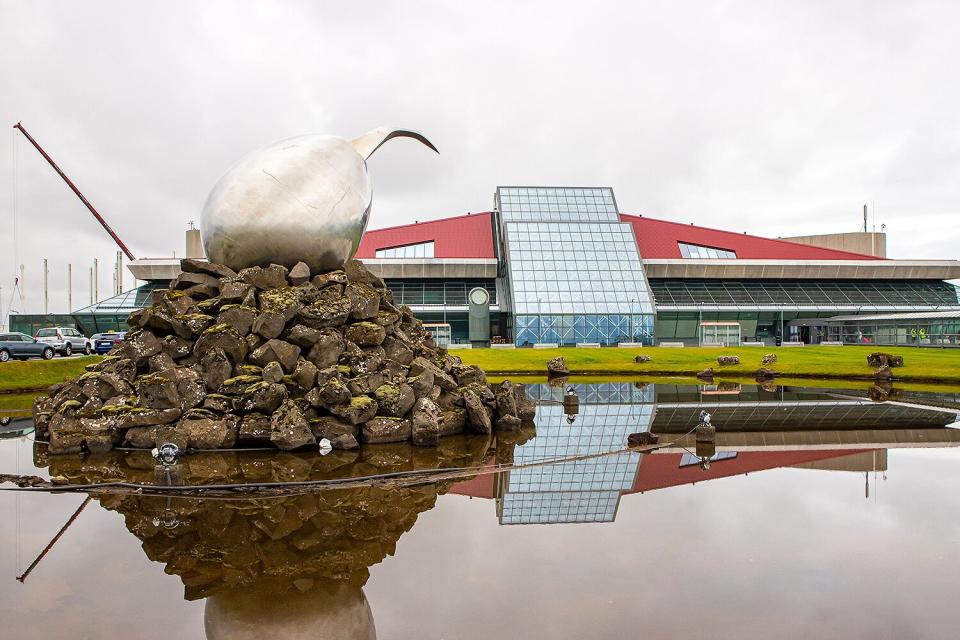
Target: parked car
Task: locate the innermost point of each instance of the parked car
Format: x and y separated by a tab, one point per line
104	342
21	346
66	340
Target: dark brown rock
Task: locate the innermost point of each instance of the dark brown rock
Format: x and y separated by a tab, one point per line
273	372
225	337
255	429
198	265
289	429
365	334
327	349
277	351
261	396
394	400
478	419
344	442
379	430
441	378
356	271
453	421
237	316
299	274
329	427
208	433
215	368
332	392
186	280
557	367
468	374
364	301
263	278
506	399
359	410
425	423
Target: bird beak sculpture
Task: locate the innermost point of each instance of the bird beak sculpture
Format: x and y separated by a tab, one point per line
305	199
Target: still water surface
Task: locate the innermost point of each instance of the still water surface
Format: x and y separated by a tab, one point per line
822	514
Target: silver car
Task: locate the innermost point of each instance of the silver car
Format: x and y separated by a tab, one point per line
21	346
65	340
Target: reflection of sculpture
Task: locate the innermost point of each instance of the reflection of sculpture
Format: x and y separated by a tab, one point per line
279	567
301	199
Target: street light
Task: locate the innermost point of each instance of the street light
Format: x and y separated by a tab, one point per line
539	321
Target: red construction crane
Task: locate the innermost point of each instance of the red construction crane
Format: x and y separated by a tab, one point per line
70	184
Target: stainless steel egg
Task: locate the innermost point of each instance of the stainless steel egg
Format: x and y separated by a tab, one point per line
306	199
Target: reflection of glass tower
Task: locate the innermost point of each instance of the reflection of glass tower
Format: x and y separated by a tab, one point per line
574	268
583	490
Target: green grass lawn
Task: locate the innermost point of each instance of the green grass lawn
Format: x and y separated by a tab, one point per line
31	375
928	365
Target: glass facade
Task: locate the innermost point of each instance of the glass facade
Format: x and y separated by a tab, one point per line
937	330
424	291
419	250
582	490
804	293
574	269
112	313
688	250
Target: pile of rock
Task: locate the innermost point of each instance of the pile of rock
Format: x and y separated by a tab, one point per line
879	359
276	358
727	361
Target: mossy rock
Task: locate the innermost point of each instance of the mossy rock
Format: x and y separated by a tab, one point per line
194	316
255	387
198	413
151	378
240	380
208	304
360	402
250	370
279	299
217	328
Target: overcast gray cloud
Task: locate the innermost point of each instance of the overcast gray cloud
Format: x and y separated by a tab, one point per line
777	118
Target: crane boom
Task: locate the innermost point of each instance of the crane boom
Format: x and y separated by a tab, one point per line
70	184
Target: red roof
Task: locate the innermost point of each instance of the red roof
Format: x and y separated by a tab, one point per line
659	238
468	236
471	236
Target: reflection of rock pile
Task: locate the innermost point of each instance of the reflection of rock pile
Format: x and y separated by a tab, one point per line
291	544
271	357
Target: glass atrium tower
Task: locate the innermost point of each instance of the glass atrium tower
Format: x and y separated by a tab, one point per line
573	267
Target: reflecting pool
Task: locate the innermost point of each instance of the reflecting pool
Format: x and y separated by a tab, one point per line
828	513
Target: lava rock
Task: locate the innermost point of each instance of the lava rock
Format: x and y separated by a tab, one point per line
557	367
289	429
379	430
394	401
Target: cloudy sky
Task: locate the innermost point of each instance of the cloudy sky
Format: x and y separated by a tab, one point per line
780	118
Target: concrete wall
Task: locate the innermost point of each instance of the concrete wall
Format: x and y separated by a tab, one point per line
871	244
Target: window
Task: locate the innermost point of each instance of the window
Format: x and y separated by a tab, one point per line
420	250
699	252
47	333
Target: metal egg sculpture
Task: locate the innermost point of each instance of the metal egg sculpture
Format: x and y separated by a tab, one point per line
305	199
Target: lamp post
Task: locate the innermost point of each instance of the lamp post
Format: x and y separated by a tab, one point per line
539	321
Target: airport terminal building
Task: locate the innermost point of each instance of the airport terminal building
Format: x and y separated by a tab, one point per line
564	265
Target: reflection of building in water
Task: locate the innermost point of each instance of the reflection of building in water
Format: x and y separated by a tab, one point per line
757	429
581	490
